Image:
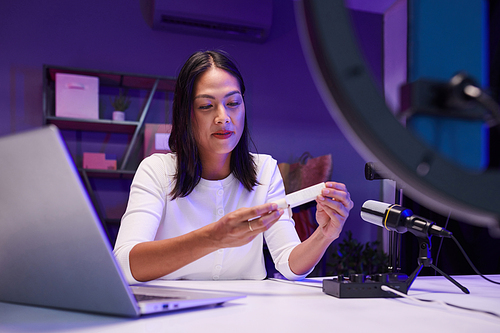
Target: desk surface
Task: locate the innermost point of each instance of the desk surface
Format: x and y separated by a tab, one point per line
275	306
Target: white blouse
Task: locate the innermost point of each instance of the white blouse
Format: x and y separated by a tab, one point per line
150	215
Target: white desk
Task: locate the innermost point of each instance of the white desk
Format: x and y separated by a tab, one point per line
273	306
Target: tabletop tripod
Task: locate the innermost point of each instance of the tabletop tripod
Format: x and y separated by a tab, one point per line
425	260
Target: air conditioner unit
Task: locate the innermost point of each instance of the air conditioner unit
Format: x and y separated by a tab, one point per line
248	20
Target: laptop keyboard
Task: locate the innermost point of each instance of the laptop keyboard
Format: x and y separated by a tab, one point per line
141	297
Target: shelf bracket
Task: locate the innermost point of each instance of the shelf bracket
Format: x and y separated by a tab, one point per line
139	126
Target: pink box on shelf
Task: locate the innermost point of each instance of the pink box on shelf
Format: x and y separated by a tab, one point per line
77	96
98	161
156	138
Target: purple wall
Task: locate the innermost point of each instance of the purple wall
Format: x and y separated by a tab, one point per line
286	114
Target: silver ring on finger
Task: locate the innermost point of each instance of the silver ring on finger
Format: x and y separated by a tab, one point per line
250	226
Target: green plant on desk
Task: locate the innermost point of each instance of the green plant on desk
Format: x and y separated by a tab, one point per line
352	257
121	102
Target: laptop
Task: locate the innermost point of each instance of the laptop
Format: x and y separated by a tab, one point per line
53	249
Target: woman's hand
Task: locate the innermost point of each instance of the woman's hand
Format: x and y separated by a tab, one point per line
333	208
243	225
151	260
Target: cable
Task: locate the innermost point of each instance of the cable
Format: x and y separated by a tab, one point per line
305	282
470	262
445	304
463	252
441	242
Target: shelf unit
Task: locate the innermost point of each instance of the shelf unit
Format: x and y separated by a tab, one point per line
149	94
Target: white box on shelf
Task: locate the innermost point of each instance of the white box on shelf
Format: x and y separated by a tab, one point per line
156	138
77	96
161	141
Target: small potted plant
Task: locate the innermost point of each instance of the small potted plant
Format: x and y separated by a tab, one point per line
120	103
353	257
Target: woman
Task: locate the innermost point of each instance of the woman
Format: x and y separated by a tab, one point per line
203	211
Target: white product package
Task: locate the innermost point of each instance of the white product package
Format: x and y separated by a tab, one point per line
77	96
300	197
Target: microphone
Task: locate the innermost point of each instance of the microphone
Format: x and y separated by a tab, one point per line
400	219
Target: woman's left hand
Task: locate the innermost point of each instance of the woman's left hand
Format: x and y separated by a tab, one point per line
333	208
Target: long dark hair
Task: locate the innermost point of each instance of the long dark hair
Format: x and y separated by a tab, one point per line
182	139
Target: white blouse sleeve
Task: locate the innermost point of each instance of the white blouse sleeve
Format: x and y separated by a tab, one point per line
144	210
282	237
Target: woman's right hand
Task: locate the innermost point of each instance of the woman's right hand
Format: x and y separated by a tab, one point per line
243	225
